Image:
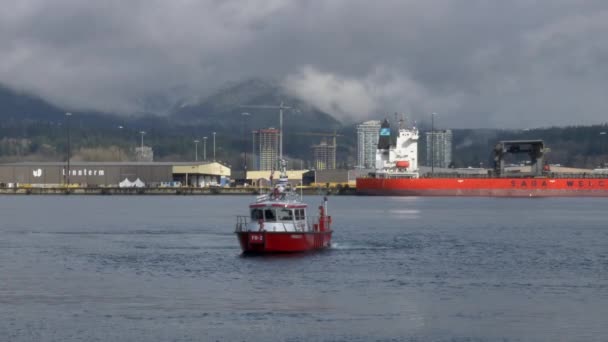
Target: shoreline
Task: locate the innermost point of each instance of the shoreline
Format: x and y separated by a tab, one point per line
185	191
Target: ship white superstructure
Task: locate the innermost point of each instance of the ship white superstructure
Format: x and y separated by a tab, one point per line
401	158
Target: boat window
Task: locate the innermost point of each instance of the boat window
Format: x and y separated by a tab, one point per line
299	214
269	215
302	215
257	214
285	214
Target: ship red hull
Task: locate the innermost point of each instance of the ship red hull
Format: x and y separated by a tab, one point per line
283	242
491	187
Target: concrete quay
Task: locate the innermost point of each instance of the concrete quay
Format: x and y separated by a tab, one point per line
160	191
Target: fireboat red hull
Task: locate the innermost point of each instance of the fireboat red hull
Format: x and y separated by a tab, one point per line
283	242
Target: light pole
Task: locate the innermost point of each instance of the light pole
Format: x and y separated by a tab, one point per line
213	146
196	149
120	128
432	143
67	120
602	137
142	140
245	116
205	148
253	157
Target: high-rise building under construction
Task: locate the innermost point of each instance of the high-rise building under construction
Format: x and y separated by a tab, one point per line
265	148
324	156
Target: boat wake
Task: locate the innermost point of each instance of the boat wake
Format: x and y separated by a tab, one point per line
357	247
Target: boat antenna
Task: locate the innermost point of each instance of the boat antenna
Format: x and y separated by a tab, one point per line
271	176
283	174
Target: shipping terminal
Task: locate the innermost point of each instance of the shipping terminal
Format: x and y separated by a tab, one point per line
397	173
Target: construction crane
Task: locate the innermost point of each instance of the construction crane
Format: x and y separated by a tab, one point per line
334	135
324	157
280	107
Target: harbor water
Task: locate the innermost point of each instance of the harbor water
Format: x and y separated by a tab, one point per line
168	268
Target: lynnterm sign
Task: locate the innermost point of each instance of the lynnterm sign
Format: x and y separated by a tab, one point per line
84	172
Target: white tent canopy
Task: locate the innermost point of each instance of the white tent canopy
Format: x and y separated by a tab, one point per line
128	184
125	183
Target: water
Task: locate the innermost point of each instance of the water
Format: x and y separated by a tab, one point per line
402	269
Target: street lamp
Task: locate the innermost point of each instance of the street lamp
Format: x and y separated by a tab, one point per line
205	148
142	140
253	157
213	146
196	149
67	119
432	143
245	116
603	135
120	128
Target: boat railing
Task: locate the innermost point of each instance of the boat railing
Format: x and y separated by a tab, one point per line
286	196
313	221
307	225
241	223
285	228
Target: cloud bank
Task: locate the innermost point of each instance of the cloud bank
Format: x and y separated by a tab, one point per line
519	63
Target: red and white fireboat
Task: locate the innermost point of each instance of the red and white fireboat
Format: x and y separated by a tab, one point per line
278	222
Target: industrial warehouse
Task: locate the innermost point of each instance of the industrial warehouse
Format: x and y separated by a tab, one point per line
114	174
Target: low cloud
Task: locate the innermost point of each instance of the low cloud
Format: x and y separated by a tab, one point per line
517	63
380	93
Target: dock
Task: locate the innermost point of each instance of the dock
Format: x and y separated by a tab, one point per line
186	191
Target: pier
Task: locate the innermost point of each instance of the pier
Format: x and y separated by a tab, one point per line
251	191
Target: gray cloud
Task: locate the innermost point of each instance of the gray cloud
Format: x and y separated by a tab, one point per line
478	63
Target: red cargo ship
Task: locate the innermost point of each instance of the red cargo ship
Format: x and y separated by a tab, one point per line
279	223
496	187
397	174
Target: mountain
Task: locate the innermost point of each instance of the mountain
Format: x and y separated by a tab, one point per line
33	129
16	106
221	111
225	108
30	121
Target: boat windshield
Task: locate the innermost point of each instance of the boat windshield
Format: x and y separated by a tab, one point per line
269	215
285	214
257	214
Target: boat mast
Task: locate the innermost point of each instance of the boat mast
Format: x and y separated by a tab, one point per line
281	132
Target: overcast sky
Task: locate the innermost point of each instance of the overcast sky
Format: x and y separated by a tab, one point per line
477	63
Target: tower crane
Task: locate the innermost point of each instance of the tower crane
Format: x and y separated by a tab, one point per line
334	135
328	159
280	107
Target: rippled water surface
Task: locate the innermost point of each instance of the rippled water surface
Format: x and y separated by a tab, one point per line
413	269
